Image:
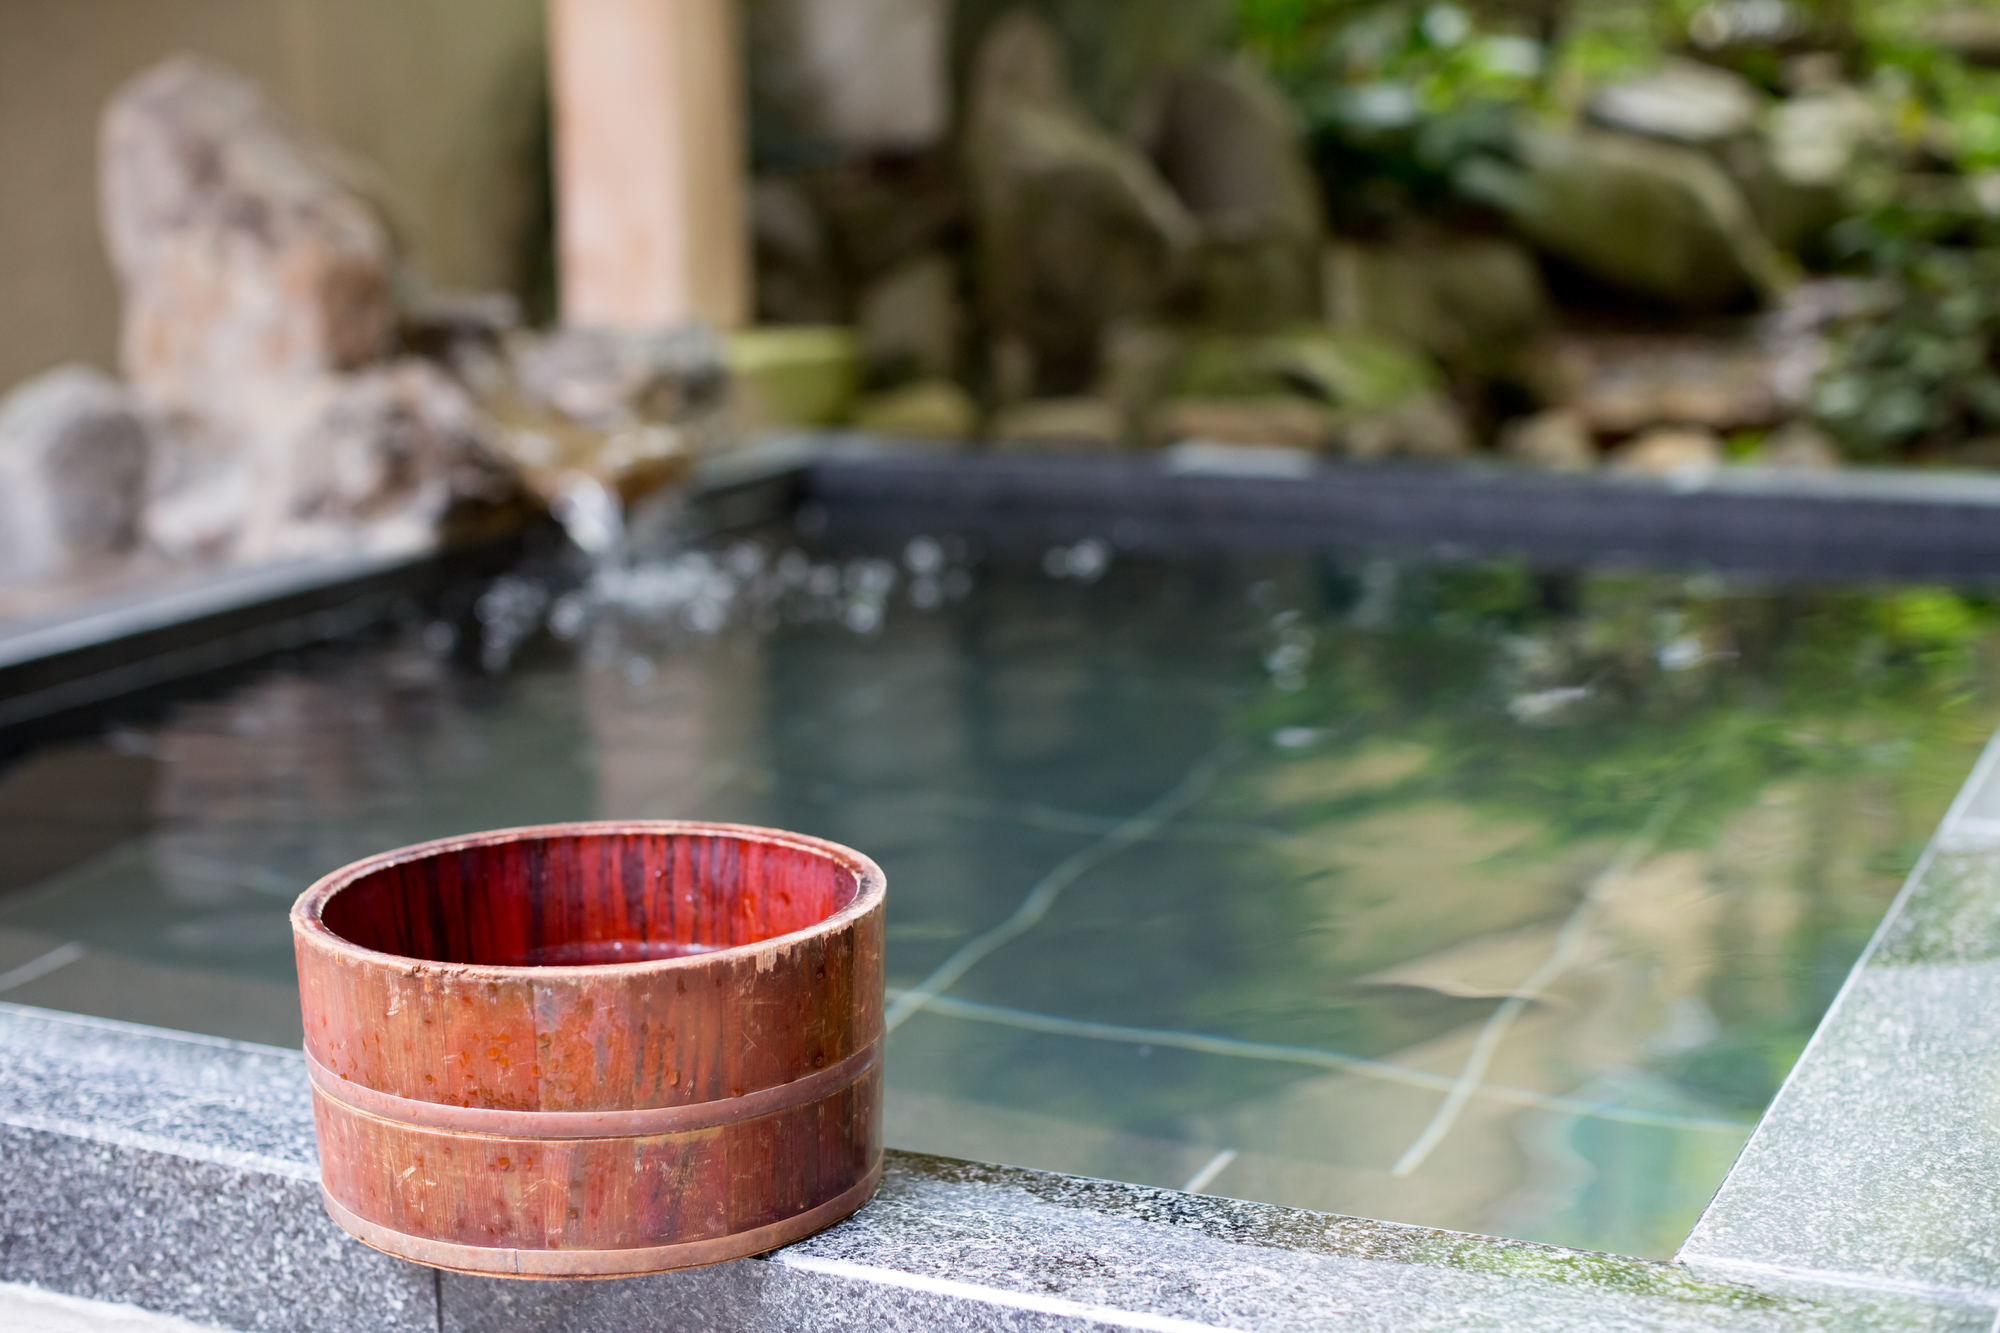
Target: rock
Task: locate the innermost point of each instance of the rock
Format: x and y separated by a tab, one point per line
628	412
1074	228
1085	423
1375	397
1136	365
458	328
933	409
74	449
1825	153
372	461
911	322
1649	218
1231	147
1119	52
1427	426
1818	137
1719	112
385	456
1358	374
1683	101
1229	144
1253	286
1557	440
1682	453
794	376
798	278
242	256
1295	422
880	213
1471	302
1799	444
607	378
1621	384
868	75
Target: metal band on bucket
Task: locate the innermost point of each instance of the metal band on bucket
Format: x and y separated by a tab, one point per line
642	1123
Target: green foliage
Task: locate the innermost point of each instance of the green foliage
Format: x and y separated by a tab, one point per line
1691	688
1922	367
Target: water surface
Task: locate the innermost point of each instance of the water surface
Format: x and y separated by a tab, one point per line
1467	895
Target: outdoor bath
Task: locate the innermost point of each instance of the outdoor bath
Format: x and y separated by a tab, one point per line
1462	893
1402	596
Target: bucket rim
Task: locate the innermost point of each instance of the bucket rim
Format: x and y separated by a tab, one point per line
308	927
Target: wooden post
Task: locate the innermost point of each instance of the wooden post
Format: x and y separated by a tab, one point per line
650	163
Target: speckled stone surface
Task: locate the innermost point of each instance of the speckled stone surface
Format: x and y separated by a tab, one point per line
1879	1162
952	1245
177	1173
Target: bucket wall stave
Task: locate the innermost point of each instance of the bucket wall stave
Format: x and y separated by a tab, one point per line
698	1076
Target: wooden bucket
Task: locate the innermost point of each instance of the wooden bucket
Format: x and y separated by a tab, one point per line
591	1050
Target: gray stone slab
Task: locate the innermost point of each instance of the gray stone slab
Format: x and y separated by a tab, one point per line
954	1245
177	1173
1879	1161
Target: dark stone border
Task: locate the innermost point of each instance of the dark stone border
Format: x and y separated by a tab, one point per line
124	645
1802	525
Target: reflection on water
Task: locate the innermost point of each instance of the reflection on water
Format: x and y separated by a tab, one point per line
1469	896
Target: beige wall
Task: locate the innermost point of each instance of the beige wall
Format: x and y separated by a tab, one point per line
441	96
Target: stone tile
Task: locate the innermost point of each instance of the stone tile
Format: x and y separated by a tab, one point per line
25	946
67	803
1880	1159
105	985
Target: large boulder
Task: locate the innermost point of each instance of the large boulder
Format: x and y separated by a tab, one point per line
372	461
74	449
1228	142
242	256
1653	219
1473	302
1076	229
1794	160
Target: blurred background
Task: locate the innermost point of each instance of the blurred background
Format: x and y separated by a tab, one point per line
604	237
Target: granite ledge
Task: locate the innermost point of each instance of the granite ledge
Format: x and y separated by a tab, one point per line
177	1174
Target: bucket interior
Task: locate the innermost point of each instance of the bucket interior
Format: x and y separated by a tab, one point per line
570	899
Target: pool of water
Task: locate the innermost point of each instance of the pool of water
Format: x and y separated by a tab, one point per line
1469	895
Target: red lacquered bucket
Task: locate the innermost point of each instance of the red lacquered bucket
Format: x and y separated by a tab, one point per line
593	1050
